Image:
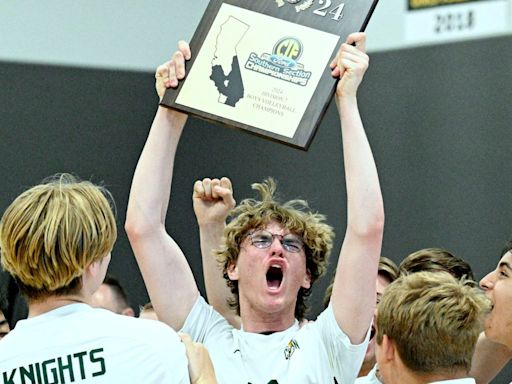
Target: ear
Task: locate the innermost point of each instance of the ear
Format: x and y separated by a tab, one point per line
128	311
95	271
388	348
93	268
306	283
233	272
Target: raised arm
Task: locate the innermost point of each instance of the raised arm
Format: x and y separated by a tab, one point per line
353	296
213	199
165	270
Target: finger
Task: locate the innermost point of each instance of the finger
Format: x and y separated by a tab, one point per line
198	189
161	76
173	79
227	196
354	70
207	185
334	61
338	71
162	70
357	58
359	39
185	49
187	341
214	186
185	337
179	61
225	182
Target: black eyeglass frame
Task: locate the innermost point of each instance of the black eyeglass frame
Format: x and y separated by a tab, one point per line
282	239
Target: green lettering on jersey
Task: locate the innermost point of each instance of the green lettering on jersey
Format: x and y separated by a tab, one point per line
100	360
28	374
53	371
9	380
63	367
38	372
59	370
80	356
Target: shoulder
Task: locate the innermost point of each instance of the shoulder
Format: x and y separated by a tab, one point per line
204	322
152	333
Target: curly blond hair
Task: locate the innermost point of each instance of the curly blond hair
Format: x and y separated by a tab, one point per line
53	231
294	215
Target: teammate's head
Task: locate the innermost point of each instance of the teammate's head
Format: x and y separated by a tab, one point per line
294	217
112	296
53	231
435	260
387	273
498	288
430	322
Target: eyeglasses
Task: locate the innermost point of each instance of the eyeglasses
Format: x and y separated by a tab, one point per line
263	239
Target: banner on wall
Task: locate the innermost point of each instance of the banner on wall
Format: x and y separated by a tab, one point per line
431	21
422	4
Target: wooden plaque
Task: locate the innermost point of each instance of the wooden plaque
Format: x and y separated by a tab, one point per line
263	65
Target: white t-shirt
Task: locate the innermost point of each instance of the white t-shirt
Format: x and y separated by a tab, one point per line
77	343
315	353
371	378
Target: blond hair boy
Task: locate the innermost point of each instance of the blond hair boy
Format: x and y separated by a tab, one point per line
55	240
427	328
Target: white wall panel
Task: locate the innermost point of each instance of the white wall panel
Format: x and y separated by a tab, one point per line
138	35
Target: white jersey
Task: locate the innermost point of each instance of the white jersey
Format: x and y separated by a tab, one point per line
80	344
315	353
371	378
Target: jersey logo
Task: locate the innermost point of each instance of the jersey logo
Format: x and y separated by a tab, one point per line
290	349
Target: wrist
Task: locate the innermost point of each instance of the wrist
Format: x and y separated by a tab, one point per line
212	223
346	102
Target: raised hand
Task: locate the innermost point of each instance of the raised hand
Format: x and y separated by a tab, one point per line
213	200
350	64
169	73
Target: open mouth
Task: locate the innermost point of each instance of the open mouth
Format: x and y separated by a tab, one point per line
274	277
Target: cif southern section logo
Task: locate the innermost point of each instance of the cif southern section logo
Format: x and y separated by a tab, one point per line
282	63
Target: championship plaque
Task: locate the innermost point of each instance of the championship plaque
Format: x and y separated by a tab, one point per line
263	65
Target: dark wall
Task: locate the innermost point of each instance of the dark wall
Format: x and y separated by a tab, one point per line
438	119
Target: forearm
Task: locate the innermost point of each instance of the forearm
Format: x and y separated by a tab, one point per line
151	184
217	290
365	208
